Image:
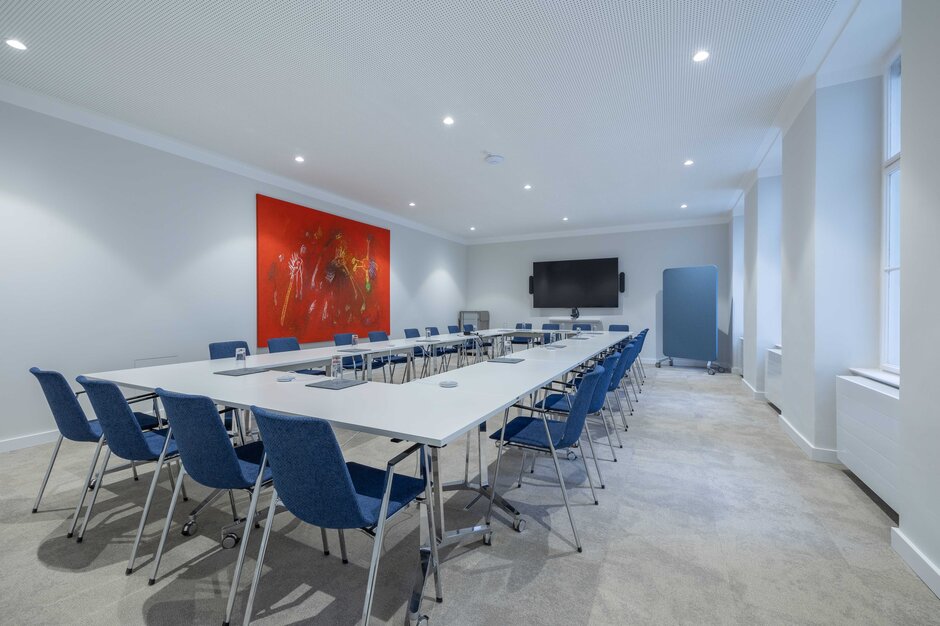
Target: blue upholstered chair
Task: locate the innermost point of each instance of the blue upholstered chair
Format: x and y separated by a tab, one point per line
378	336
315	483
519	340
444	352
582	326
453	329
127	441
226	349
73	425
543	435
547	337
209	459
419	353
355	363
474	345
561	403
290	344
641	337
619	328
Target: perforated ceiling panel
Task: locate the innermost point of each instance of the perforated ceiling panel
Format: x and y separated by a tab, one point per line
595	104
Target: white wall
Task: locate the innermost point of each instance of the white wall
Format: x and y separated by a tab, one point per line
115	253
498	275
830	247
737	294
762	276
919	537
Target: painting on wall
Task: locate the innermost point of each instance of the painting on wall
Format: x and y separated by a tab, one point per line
319	274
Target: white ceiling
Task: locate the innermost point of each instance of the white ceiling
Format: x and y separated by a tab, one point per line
595	104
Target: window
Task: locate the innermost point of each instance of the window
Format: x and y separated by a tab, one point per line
891	252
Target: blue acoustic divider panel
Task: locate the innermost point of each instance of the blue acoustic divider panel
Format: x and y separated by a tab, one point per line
690	313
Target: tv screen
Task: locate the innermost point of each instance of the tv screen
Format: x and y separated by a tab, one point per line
569	284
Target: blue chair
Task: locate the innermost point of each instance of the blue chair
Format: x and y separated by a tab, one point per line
521	340
209	459
542	435
290	344
354	363
619	328
474	345
453	329
641	336
73	425
127	441
561	403
582	326
378	336
226	349
444	352
419	353
315	483
547	337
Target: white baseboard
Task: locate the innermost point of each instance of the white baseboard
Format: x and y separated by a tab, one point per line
737	370
917	560
824	455
28	441
758	395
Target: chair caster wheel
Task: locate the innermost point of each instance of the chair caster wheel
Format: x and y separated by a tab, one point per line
488	539
230	540
571	455
423	621
518	525
189	529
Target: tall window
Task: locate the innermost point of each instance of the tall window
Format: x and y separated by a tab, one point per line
891	281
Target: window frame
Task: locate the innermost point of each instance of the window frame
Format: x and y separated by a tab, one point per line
891	164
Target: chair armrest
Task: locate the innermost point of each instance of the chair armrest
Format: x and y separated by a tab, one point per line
141	398
403	455
530	408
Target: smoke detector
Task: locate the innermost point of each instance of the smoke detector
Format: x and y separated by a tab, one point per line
493	159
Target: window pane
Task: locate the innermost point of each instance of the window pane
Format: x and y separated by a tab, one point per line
892	354
894	109
893	221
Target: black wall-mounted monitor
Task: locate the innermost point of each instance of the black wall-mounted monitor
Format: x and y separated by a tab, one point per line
591	283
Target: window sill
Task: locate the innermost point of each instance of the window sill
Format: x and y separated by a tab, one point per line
877	375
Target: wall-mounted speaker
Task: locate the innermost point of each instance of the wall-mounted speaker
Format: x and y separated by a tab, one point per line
531	284
623	282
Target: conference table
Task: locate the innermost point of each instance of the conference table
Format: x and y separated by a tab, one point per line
421	411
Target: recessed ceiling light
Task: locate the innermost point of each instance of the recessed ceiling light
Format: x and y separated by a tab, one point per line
688	162
299	159
411	204
683	206
527	187
564	219
16	43
473	228
700	56
448	121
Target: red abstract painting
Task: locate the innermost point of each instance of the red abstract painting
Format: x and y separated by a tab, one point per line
319	274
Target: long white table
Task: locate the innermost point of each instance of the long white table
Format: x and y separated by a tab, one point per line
420	411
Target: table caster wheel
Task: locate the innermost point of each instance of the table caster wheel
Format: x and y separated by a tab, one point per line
518	525
488	539
230	540
424	620
189	528
571	455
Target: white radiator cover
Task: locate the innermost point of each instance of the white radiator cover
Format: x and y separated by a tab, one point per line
867	432
773	377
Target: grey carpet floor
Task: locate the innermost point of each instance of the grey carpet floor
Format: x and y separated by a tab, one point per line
711	516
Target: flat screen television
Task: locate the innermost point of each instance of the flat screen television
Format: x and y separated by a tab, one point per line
568	284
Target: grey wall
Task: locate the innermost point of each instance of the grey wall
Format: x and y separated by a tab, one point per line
498	275
115	253
920	299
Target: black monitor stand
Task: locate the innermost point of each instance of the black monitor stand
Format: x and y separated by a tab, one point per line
575	313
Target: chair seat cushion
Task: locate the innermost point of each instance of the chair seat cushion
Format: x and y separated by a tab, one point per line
146	421
369	484
249	459
560	402
530	431
155	440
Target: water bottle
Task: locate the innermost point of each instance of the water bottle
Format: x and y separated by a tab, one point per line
427	333
240	357
355	340
336	367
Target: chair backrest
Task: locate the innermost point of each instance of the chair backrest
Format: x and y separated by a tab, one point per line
468	328
619	328
453	329
377	336
283	344
582	326
345	339
547	337
433	330
414	333
609	366
66	411
203	444
621	368
226	349
578	412
524	325
120	426
309	470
